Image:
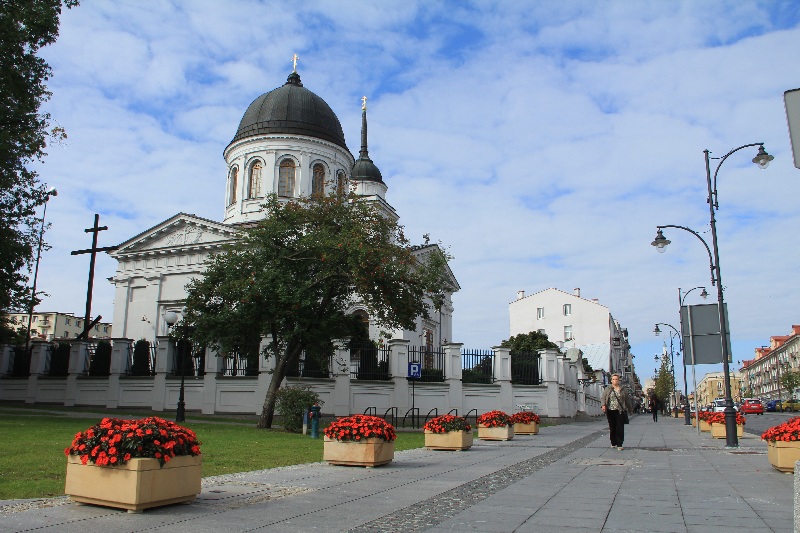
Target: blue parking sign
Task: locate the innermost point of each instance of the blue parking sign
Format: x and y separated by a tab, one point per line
414	370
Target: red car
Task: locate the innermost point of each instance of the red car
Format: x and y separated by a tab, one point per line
751	406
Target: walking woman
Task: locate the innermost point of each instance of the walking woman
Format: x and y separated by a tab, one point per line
615	406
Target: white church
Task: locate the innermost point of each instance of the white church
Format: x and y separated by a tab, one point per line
289	142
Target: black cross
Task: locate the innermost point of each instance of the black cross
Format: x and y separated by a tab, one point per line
88	322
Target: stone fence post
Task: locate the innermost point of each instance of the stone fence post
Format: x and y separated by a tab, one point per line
453	372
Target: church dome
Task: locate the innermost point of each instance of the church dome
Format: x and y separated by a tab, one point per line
364	169
291	109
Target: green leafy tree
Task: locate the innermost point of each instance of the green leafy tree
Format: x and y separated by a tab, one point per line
664	382
790	381
25	27
295	276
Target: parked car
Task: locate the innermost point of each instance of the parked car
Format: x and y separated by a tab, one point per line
752	406
772	406
719	406
791	405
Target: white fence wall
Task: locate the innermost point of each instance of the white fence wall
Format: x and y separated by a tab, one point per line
559	394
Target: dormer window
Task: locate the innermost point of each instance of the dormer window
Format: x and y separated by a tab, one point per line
286	174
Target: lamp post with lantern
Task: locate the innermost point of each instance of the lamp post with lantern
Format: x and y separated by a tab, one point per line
762	159
171	318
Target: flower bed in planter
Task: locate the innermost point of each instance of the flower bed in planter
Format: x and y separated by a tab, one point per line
717	423
525	423
134	464
783	444
495	425
359	440
448	432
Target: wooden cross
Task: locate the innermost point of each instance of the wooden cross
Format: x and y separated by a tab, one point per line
295	57
94	230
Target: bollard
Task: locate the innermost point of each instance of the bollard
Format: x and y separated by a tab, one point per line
315	416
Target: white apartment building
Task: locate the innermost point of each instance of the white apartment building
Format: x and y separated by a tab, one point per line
574	322
54	325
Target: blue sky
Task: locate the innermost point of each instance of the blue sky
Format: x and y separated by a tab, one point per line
541	141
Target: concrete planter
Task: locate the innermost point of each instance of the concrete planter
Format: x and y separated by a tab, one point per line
498	433
782	455
138	484
718	431
526	429
366	452
453	440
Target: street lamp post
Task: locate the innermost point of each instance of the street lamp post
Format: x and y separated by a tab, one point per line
31	305
672	358
171	318
762	159
681	301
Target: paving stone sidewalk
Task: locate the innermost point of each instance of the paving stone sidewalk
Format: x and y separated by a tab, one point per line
565	479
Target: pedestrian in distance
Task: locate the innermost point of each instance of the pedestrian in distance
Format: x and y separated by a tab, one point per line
654	406
616	405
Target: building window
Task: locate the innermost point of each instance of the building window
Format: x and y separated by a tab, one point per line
719	385
105	329
341	182
540	313
567	333
286	178
567	309
254	190
66	334
233	184
34	320
318	179
68	321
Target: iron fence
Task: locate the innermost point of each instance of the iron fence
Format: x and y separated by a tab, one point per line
313	364
194	359
20	364
235	364
477	366
432	361
369	361
525	368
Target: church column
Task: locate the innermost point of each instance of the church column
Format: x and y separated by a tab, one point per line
452	376
120	355
398	367
341	375
502	376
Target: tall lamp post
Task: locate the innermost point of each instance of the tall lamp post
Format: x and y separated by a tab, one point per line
31	305
171	318
762	159
681	300
672	335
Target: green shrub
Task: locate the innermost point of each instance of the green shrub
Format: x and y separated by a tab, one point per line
292	404
100	364
59	359
141	358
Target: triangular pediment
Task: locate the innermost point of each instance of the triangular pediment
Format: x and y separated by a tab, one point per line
180	232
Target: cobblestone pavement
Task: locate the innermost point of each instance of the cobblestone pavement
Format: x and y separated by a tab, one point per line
566	478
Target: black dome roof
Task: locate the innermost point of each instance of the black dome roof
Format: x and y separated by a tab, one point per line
291	109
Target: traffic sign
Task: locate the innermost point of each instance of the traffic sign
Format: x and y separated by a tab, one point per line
414	370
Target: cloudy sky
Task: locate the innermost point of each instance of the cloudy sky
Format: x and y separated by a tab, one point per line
541	141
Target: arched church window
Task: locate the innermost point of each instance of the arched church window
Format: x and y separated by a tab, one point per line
254	190
318	179
233	185
341	183
286	178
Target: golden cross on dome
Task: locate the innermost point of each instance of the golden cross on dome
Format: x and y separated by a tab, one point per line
295	57
364	103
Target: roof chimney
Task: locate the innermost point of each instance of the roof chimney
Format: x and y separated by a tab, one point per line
577	291
520	295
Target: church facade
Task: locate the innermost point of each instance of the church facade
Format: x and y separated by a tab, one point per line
289	142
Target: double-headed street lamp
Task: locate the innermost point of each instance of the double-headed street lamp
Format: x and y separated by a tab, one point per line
672	335
762	159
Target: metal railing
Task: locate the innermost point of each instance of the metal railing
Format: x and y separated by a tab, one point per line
525	368
477	366
369	361
432	361
236	365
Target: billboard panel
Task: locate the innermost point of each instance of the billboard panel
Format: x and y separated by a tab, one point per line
701	336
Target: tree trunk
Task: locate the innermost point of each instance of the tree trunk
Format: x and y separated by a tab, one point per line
278	375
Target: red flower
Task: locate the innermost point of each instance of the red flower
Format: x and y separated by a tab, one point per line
494	419
525	417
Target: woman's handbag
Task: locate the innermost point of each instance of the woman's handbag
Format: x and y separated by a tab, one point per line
625	419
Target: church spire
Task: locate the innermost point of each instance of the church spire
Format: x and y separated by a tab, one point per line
364	169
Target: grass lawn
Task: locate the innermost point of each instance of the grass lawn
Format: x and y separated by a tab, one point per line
33	465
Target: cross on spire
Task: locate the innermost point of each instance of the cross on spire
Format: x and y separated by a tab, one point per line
364	103
295	57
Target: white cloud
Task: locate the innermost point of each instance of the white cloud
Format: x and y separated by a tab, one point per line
543	142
